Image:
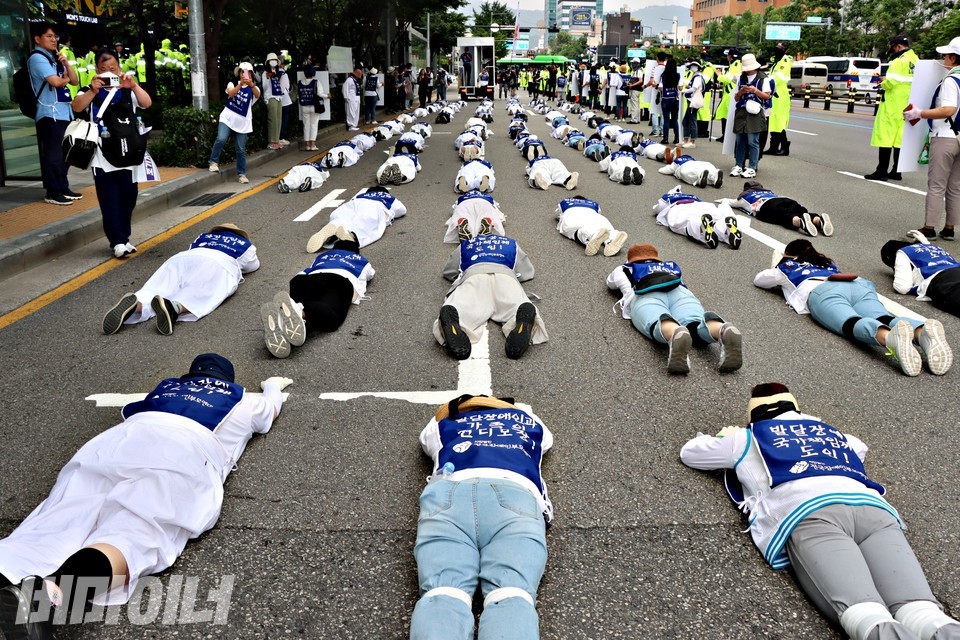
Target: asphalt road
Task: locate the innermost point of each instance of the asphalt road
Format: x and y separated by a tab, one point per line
319	519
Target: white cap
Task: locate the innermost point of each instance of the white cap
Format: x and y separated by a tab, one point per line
634	59
952	47
373	71
246	66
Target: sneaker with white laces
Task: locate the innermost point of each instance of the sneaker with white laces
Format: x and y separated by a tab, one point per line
823	224
615	243
731	348
273	336
317	240
749	172
807	226
709	235
243	179
282	187
734	235
593	246
213	167
114	318
934	346
678	359
737	171
291	318
899	344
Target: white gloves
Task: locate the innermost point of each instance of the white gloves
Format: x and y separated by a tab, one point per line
911	115
282	383
919	237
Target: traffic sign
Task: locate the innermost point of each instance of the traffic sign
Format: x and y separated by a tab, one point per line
814	19
782	32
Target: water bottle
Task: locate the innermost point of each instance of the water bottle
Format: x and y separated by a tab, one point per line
140	125
104	132
443	473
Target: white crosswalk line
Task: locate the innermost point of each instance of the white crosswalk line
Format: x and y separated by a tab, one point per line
886	184
803	133
329	200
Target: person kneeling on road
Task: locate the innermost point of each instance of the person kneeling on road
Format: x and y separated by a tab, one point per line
580	219
547	170
190	284
661	307
320	296
475	174
486	272
128	501
812	506
705	222
493	489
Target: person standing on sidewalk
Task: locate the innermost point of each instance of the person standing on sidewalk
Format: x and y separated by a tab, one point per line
352	91
888	124
237	118
370	96
276	85
116	186
50	77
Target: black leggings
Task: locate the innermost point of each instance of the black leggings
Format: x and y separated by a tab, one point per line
944	291
326	299
780	211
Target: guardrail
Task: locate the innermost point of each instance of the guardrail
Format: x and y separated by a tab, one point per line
826	95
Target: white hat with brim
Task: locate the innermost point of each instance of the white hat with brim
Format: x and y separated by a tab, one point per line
245	66
374	71
749	62
634	59
952	47
272	56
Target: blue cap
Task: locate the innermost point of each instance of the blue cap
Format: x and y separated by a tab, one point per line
211	365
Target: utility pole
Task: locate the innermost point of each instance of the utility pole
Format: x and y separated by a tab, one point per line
198	55
429	59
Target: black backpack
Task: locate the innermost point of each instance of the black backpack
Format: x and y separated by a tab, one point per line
126	146
23	88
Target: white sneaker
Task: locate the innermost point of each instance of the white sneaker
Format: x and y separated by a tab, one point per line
571	182
131	248
273	337
689	145
749	172
899	344
317	240
615	243
541	182
353	128
594	245
736	172
213	168
120	250
284	143
242	179
934	346
294	328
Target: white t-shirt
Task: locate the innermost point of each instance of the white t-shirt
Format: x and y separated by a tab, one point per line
949	97
238	123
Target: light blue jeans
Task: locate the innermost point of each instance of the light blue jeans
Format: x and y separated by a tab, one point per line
482	531
745	142
239	144
648	309
832	304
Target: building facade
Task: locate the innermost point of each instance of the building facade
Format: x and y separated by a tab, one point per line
703	12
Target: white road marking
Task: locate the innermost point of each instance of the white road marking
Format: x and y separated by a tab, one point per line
886	184
897	309
803	133
474	377
122	399
329	200
442	133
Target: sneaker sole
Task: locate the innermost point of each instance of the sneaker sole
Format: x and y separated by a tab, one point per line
704	179
541	182
719	182
58	202
572	181
294	328
909	360
113	319
164	321
456	341
709	236
807	226
935	347
519	339
734	236
613	247
273	336
826	227
316	241
731	350
678	360
637	177
593	246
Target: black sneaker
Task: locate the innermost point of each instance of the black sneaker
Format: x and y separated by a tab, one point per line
282	187
704	179
114	318
637	176
947	234
719	182
879	176
519	339
896	175
929	233
626	178
457	343
72	195
59	199
167	313
306	185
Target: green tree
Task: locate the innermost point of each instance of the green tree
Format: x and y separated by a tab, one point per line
445	28
564	44
941	32
490	13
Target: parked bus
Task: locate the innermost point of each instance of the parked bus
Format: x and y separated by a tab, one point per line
860	74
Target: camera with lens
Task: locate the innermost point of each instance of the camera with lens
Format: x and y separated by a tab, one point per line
110	80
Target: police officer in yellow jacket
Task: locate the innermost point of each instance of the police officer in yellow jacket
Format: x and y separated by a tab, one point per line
729	82
780	113
888	125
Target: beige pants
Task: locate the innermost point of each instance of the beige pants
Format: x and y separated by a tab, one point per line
943	181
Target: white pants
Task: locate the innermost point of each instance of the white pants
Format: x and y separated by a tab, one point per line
473	211
311	122
474	172
654	151
619	165
407	168
690	172
197	282
634	106
350	155
582	224
551	169
299	173
685	219
489	296
353	112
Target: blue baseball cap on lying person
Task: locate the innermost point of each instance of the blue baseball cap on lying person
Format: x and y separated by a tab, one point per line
211	365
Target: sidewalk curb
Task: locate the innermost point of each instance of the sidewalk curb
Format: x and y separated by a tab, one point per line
56	239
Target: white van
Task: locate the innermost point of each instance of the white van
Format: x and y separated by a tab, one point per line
860	74
805	74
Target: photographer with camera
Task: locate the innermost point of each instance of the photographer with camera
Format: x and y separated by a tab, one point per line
111	101
237	118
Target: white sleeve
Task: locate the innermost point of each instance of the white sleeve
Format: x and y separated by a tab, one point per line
368	272
902	273
708	452
768	279
249	262
618	281
398	209
274	398
430	439
859	446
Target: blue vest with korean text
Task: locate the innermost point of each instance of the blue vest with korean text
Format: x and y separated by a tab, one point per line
797	272
382	197
794	449
669	95
370	84
646	143
315	165
682	160
483	162
223	241
306	92
532	142
929	259
411	156
506	439
345	143
275	89
640	270
541	158
489	249
623	154
679	198
756	197
475	195
206	401
758	83
240	103
569	203
338	259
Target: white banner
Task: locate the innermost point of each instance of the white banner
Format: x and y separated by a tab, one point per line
926	76
340	60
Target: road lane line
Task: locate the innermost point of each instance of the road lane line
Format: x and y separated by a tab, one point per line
886	184
803	133
329	200
839	124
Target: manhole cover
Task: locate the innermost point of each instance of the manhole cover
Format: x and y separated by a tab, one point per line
207	199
